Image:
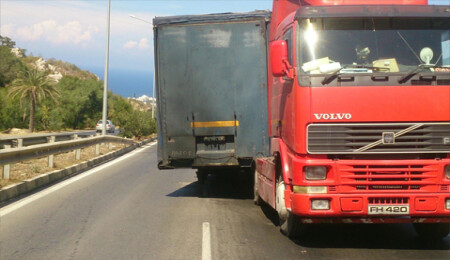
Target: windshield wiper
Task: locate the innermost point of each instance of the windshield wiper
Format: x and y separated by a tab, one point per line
338	72
416	70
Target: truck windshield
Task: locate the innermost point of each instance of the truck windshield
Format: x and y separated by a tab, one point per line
358	46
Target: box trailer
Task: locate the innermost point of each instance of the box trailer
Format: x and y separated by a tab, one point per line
211	83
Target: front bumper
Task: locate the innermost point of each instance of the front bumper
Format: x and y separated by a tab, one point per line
354	185
357	205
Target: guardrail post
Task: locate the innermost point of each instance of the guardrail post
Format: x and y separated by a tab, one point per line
99	134
77	151
51	157
97	146
18	142
6	167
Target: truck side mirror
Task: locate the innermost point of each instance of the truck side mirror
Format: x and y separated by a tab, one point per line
279	58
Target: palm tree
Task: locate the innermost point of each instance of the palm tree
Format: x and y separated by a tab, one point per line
33	85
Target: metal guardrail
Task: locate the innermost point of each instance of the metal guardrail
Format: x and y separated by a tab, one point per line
13	155
19	141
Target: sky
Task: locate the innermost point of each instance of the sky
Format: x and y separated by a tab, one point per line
75	31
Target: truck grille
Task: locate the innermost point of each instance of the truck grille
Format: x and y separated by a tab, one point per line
378	138
388	201
394	178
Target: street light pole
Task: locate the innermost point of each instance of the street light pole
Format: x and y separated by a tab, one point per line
105	87
154	74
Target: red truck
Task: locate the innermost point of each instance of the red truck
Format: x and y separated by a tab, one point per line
359	114
339	108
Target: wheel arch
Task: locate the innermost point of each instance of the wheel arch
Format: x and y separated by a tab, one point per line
279	152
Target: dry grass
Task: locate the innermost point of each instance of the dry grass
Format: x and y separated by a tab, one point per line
32	168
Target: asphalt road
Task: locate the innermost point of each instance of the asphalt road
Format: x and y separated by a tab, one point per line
127	209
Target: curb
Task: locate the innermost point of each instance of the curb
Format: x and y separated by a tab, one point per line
26	186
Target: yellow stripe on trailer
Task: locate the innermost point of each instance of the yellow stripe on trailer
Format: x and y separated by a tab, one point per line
214	124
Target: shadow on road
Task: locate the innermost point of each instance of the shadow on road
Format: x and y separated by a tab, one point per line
362	236
226	185
190	190
370	236
237	185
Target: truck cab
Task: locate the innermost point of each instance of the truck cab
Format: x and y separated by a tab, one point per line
359	114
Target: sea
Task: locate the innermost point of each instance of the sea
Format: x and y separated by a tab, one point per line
125	82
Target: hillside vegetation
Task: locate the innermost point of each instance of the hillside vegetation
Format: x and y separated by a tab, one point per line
72	100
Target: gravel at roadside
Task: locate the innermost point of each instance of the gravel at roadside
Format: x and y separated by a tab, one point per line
31	168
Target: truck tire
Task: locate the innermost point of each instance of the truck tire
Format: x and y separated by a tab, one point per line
433	231
290	224
256	198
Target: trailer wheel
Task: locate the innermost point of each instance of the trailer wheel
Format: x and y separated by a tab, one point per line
290	224
433	231
256	198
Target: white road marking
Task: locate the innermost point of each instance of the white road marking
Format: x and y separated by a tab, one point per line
206	242
17	205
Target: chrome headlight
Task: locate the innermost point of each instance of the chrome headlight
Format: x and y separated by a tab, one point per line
314	173
447	171
320	204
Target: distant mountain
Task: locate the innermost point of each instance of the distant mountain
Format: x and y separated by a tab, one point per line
56	69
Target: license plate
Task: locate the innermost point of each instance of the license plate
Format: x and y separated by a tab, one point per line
388	210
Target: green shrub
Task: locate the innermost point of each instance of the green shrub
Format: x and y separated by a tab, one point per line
137	124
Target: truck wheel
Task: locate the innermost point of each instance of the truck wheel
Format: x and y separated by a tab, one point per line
256	198
290	224
432	230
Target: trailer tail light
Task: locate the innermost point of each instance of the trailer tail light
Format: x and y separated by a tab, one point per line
447	203
447	171
320	204
310	189
313	173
